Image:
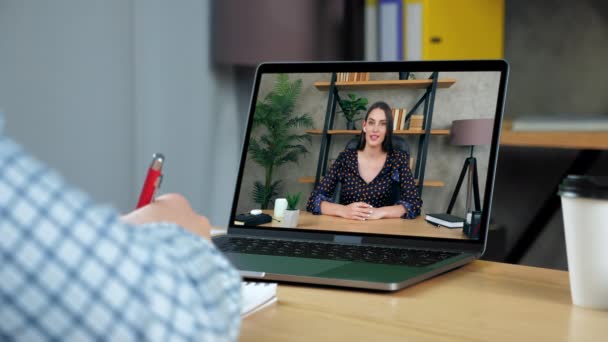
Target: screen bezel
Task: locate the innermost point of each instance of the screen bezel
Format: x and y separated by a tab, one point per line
415	66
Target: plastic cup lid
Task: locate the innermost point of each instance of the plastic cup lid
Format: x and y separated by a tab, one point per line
584	186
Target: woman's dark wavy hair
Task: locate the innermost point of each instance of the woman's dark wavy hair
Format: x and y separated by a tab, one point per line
387	144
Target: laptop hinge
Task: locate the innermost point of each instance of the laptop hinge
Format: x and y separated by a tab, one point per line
346	239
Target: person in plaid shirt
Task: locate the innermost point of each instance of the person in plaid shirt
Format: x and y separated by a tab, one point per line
74	270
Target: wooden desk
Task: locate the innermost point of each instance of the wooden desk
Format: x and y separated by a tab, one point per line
482	301
415	227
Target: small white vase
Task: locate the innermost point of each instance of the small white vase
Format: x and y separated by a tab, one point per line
280	204
290	220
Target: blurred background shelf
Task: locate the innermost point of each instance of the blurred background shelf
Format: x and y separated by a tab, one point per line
584	140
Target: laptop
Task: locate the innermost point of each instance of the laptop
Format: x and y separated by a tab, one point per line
303	138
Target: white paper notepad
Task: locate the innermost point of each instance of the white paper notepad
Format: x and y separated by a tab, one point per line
256	296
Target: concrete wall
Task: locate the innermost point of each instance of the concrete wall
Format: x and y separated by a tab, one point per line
474	95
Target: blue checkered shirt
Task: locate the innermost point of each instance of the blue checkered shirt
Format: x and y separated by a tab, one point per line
71	270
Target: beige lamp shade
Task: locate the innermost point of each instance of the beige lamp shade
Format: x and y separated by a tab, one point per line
471	132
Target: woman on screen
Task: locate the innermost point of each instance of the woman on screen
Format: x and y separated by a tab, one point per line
369	175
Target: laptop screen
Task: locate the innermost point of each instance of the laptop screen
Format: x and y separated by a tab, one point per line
395	151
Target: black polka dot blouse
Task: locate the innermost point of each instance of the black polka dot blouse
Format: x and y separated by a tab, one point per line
393	185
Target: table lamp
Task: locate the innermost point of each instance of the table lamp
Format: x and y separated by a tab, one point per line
470	132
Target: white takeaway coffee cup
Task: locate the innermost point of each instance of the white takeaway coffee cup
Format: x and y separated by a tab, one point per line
585	210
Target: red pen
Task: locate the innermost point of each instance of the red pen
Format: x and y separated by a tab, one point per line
152	182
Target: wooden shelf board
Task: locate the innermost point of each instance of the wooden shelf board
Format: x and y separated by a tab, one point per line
429	183
555	139
387	84
397	132
432	183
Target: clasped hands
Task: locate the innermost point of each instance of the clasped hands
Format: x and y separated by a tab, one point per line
362	211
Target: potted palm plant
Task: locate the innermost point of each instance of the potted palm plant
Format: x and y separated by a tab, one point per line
278	138
351	107
292	214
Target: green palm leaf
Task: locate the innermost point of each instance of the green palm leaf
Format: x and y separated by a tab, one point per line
303	121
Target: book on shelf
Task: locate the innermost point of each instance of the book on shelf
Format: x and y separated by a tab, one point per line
395	112
390	29
352	76
371	30
416	122
584	123
256	296
445	220
413	27
399	118
402	119
396	118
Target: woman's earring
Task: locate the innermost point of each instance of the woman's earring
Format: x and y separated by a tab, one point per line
364	130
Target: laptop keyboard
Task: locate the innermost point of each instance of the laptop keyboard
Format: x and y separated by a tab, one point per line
320	250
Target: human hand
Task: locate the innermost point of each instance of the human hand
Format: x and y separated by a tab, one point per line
376	214
357	211
173	208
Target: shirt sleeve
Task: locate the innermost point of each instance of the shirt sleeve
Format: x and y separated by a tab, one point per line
71	270
324	191
409	196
